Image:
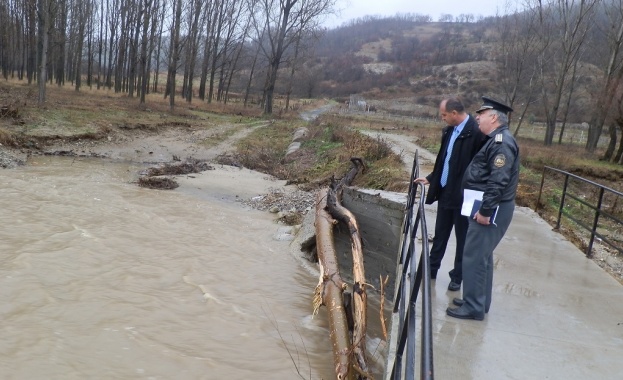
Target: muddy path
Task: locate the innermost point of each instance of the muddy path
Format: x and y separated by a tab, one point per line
156	145
404	146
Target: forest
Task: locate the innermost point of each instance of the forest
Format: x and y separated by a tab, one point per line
556	62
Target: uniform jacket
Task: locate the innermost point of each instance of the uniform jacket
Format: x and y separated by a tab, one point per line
495	170
465	147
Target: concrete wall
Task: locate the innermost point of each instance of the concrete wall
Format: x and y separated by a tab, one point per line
379	215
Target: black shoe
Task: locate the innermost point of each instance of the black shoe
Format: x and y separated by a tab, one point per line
459	302
454	286
463	314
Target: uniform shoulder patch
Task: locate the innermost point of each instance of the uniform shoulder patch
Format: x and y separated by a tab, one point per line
499	160
498	138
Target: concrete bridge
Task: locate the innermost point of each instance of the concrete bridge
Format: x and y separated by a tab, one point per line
555	313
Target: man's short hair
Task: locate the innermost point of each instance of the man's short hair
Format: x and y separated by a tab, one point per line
454	104
502	117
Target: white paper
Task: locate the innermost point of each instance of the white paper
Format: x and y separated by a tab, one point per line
468	200
467	209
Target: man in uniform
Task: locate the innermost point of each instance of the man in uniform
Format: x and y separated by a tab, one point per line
494	171
460	141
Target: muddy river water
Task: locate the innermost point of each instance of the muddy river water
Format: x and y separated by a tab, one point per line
101	279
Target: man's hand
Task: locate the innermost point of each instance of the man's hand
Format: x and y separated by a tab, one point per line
480	219
421	180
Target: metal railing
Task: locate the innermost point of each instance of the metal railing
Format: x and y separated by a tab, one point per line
412	274
599	212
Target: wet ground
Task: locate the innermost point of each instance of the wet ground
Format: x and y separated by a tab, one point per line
555	314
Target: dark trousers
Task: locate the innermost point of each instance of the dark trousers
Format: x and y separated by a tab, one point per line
478	259
446	219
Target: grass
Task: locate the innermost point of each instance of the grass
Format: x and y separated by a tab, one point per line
91	113
325	151
219	137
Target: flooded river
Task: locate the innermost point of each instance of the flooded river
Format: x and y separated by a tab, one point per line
102	279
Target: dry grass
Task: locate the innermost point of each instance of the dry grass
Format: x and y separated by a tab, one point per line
325	153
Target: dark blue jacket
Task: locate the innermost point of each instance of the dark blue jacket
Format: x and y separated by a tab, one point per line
465	147
495	170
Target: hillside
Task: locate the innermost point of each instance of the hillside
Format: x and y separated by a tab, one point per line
406	67
406	62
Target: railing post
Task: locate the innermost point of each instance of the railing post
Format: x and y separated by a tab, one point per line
562	201
589	251
411	278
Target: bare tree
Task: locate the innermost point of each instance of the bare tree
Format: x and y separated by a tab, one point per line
159	15
284	20
563	27
82	12
122	43
253	65
44	14
303	49
207	48
235	30
192	46
174	53
240	49
59	55
113	10
146	40
618	122
612	33
517	53
31	60
218	19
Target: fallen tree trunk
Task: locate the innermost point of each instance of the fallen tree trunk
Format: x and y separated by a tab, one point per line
359	294
329	291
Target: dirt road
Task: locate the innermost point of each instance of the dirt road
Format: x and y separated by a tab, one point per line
406	148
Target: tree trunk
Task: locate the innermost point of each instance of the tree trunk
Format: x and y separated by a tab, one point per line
61	42
568	94
329	291
82	14
207	44
604	100
134	57
292	71
251	72
342	214
330	201
218	16
174	55
121	52
612	144
44	27
143	75
159	48
31	64
619	156
192	47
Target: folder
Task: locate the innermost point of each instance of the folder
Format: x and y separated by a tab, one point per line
472	200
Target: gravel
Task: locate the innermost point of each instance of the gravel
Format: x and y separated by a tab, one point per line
9	161
290	206
280	200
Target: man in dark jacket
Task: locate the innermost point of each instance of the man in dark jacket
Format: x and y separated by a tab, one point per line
460	141
494	172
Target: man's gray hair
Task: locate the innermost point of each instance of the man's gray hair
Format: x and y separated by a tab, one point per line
502	117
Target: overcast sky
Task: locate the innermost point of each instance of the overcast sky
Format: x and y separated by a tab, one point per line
352	9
